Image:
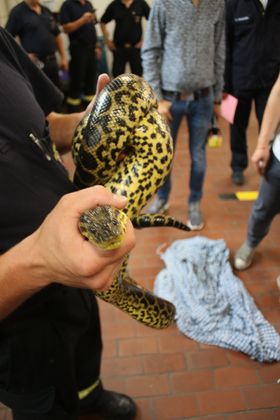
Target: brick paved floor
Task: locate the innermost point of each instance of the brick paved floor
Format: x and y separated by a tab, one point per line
170	376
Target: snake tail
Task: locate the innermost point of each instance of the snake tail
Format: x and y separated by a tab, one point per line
157	220
139	303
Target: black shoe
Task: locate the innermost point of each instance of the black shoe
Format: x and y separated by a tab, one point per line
108	405
237	178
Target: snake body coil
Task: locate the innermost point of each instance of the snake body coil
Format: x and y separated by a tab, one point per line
125	145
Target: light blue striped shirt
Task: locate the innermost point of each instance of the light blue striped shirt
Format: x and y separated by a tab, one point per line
184	46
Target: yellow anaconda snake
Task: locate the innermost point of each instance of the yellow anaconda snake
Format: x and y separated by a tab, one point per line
125	145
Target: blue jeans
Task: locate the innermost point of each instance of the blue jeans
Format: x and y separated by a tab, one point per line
267	205
198	114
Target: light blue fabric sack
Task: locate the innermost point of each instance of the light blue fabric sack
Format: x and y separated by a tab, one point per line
212	304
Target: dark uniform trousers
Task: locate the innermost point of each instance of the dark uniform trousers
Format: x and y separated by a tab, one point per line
127	54
83	70
238	143
50	354
51	69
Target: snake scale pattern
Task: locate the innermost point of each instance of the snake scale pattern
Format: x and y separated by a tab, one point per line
125	145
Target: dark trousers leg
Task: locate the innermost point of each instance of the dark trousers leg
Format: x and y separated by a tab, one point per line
56	413
51	69
77	70
178	111
119	61
78	365
135	61
238	140
90	74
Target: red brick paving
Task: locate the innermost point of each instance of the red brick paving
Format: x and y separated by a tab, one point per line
170	376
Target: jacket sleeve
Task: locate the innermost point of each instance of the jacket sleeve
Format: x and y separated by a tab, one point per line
152	47
219	54
229	35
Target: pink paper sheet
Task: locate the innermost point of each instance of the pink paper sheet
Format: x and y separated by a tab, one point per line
228	108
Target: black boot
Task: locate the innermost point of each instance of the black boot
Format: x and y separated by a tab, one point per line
108	405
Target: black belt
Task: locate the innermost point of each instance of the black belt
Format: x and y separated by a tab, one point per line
126	45
184	96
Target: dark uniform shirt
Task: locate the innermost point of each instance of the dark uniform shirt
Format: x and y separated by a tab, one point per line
72	10
253	44
128	29
36	32
26	174
38	341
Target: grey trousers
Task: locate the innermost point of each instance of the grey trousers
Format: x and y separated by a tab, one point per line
267	206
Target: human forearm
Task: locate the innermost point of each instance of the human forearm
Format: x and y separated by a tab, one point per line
271	118
104	31
62	128
76	24
60	47
219	59
19	276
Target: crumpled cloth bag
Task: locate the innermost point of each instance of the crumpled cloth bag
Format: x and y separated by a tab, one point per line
212	304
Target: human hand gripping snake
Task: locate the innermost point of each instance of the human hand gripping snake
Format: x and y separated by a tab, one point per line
125	145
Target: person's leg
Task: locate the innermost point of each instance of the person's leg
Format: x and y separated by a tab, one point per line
199	119
160	203
51	69
56	413
77	69
42	382
119	61
238	140
135	61
90	76
94	399
263	212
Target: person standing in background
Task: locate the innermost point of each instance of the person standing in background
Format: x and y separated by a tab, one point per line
266	158
127	40
40	36
183	59
252	65
78	20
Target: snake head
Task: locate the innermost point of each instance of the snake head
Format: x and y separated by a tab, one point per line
103	226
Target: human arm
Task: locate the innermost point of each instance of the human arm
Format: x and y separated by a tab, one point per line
152	47
13	25
270	122
57	252
229	46
62	126
70	27
145	12
109	42
164	108
61	50
219	56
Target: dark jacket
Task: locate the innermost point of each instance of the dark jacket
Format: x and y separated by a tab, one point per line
253	44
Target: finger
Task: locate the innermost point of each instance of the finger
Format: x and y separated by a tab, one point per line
79	201
102	81
104	279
